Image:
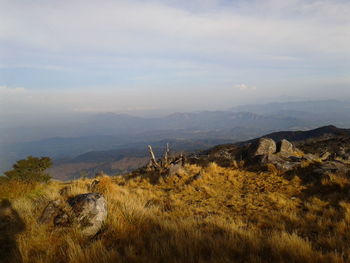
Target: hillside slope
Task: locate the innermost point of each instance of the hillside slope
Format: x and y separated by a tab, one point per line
123	159
202	214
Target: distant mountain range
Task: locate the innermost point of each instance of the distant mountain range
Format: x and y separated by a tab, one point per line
98	141
326	111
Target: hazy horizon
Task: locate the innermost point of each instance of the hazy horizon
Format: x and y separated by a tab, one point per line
63	115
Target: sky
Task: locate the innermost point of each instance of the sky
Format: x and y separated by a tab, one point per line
145	56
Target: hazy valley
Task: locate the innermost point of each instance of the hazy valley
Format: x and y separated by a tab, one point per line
117	143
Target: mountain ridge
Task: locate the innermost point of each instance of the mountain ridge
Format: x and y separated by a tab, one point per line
92	162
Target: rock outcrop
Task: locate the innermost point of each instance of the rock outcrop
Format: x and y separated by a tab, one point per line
265	151
264	146
90	210
285	148
307	148
332	167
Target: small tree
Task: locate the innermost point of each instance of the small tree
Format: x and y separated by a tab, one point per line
31	169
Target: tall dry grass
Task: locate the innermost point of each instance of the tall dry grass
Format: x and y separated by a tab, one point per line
209	214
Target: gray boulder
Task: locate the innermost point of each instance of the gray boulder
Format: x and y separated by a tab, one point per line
264	146
282	162
265	151
285	148
90	211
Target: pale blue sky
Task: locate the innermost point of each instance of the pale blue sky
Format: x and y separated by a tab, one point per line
107	55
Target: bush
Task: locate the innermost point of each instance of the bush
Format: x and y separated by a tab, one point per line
31	169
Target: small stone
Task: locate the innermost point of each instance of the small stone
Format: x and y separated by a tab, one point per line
65	191
197	176
175	169
50	212
325	156
93	185
310	157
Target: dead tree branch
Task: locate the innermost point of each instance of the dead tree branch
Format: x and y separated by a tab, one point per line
153	158
166	155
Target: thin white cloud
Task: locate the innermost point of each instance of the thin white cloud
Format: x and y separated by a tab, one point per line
4	90
245	87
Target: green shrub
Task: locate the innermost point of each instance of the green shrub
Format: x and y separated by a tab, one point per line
31	169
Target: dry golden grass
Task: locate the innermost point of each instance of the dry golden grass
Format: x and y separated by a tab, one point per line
209	214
